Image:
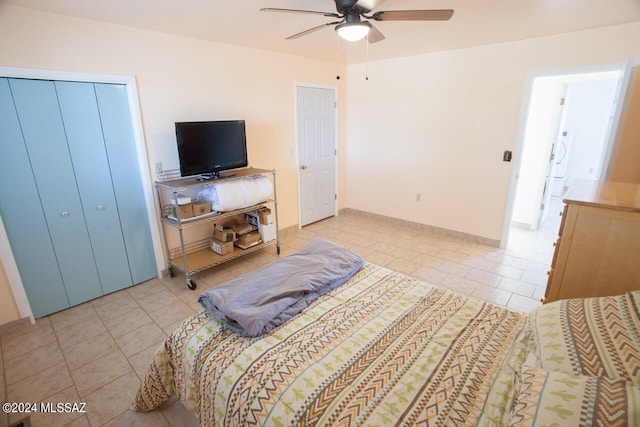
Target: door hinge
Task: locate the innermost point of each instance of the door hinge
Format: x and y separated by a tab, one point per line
541	206
335	197
562	101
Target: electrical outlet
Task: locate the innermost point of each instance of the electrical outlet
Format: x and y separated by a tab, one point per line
158	167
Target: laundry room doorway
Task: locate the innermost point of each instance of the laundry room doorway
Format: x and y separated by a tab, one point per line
568	131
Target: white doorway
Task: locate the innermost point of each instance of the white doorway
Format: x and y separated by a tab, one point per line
568	131
316	135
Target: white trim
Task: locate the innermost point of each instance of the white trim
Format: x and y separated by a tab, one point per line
145	173
13	275
516	158
28	73
296	86
141	149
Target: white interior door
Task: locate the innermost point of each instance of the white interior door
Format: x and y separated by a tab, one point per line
316	117
560	117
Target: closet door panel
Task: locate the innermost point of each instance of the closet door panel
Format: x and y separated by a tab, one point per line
23	217
81	119
44	134
120	143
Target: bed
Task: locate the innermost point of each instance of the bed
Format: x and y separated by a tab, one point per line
383	348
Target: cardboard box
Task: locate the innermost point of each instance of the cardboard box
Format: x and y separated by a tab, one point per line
182	211
181	200
267	232
242	228
221	248
264	216
247	240
261	216
201	208
252	218
223	234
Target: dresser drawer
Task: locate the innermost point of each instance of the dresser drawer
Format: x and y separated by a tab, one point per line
556	246
548	290
563	214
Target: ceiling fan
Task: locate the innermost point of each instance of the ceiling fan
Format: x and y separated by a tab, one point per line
352	27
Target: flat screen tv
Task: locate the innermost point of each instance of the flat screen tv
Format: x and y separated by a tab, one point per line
208	148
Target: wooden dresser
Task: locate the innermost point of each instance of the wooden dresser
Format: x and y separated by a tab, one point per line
598	249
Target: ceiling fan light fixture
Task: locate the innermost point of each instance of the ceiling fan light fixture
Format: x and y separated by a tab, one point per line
353	31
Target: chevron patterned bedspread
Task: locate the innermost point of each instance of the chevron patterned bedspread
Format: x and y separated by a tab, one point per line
583	364
386	349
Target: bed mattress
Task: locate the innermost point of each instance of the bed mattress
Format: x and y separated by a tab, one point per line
382	349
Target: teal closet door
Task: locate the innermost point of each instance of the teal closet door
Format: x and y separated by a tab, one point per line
83	128
44	134
120	143
23	217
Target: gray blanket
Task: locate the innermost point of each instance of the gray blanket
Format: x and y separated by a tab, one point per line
257	302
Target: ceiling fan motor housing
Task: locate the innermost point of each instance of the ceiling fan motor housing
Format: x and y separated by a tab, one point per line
344	5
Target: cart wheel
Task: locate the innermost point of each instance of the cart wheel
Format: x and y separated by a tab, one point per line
171	272
191	284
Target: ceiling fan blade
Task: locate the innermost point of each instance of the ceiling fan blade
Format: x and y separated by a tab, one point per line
311	30
413	15
374	35
312	12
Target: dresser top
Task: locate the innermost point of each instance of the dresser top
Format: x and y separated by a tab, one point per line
606	194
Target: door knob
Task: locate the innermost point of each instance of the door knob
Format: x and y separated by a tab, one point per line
65	213
100	207
303	167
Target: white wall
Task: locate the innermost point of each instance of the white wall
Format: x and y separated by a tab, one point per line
438	124
182	79
179	79
432	124
535	150
588	118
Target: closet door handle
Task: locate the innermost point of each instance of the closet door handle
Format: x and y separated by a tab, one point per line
65	213
100	207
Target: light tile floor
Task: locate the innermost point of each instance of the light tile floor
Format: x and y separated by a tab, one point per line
96	353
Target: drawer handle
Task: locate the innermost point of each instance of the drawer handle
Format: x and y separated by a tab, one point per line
65	213
100	207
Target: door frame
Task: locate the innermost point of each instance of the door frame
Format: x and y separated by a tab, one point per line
557	124
6	255
297	86
522	125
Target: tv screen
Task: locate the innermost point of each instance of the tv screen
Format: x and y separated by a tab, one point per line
206	148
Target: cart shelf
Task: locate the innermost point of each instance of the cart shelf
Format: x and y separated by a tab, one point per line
192	257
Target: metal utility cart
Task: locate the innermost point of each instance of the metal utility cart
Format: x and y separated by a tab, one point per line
194	255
